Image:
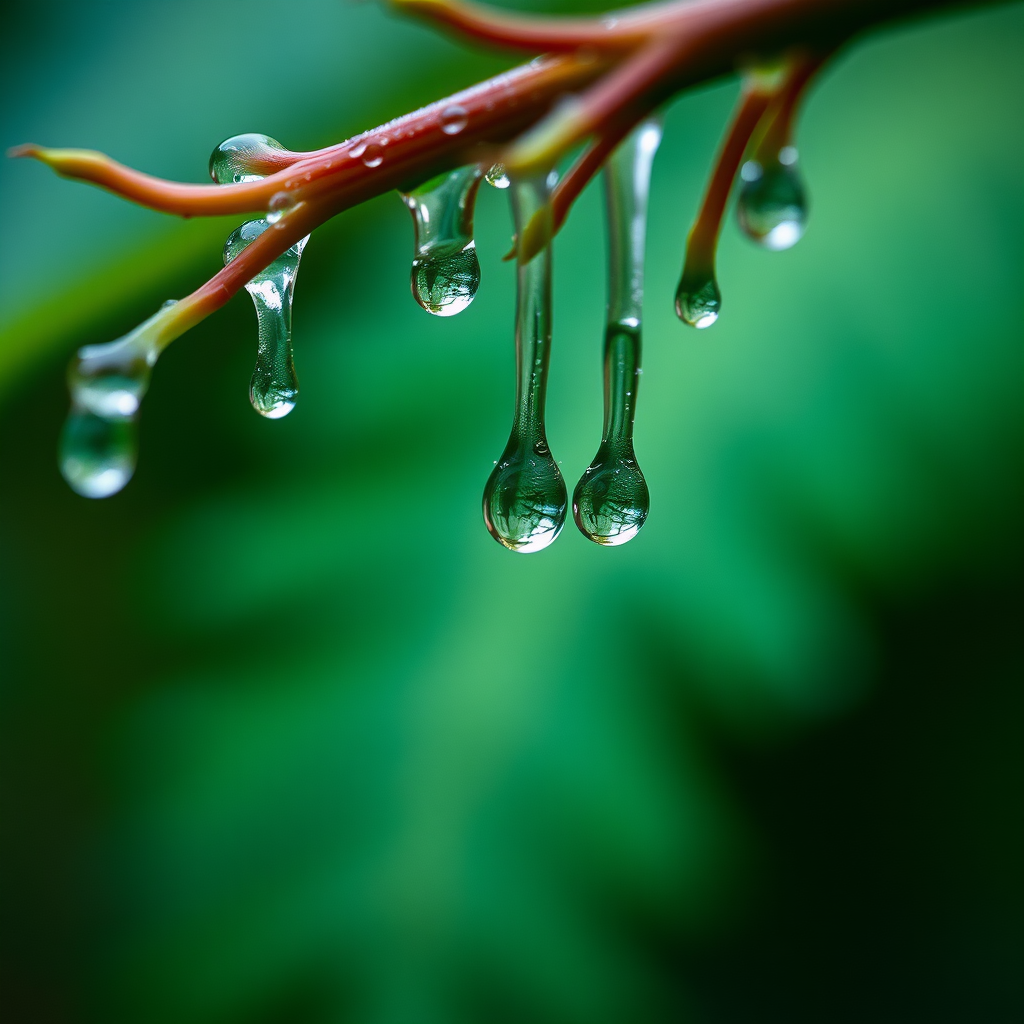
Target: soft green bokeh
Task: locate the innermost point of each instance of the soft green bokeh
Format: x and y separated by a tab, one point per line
287	737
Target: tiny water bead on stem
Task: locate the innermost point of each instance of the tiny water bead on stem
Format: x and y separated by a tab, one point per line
445	268
274	387
525	500
248	157
611	500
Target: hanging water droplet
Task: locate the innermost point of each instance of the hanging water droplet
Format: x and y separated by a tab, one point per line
97	453
611	500
772	204
524	501
445	268
274	387
98	447
246	157
698	300
497	176
453	119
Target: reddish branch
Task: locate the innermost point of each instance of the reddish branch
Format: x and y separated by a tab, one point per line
616	69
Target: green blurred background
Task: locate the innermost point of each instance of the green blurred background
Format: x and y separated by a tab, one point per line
288	739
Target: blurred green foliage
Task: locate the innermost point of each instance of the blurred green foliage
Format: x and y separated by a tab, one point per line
288	738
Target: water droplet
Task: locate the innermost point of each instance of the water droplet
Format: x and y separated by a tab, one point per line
244	158
524	501
772	205
453	119
698	300
97	453
497	176
611	500
98	447
280	203
373	154
445	268
274	387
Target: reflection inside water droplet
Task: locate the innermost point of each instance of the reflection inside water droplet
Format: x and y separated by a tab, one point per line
698	300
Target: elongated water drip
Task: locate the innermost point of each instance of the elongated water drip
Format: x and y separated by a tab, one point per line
611	501
99	443
445	268
274	387
772	204
525	499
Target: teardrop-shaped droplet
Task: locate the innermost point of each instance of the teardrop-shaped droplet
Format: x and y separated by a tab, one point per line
525	497
274	387
497	176
611	500
698	300
97	453
246	157
525	500
772	205
445	268
107	382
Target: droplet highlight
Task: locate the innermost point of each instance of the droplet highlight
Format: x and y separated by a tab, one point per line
772	204
611	501
525	500
454	118
445	268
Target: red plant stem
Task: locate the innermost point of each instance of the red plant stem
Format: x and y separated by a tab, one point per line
703	238
779	132
690	40
632	86
616	30
413	147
